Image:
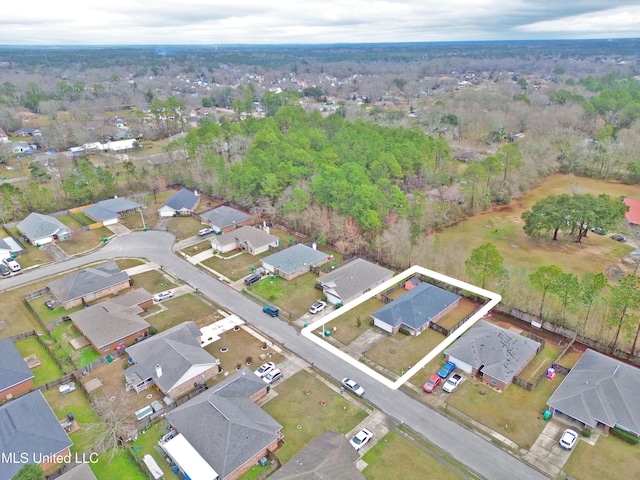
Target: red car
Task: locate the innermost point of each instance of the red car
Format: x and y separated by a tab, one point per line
432	383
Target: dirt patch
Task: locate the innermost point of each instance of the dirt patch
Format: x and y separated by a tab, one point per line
614	272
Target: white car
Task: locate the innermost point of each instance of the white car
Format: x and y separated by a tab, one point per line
158	297
352	386
205	231
272	376
361	438
568	439
264	369
318	306
12	264
453	382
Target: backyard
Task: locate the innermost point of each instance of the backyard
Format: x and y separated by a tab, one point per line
147	443
16	317
64	333
122	465
304	418
48	370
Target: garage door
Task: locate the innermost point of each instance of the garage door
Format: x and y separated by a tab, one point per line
460	365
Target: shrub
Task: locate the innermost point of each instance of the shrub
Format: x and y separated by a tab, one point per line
626	436
586	432
405	331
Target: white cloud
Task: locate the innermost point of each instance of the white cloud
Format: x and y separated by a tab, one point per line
615	22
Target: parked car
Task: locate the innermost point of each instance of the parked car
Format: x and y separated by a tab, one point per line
205	231
431	384
361	438
251	279
264	369
599	230
352	386
318	306
4	270
447	369
568	439
453	382
619	238
158	297
12	264
269	310
272	376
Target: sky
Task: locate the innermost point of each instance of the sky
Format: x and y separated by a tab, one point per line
212	22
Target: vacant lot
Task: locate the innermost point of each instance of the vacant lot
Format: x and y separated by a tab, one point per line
84	240
180	309
396	458
153	281
293	409
609	458
48	370
293	296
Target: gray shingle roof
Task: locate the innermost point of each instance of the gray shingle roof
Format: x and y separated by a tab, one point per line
223	216
107	322
90	280
328	457
183	199
13	369
111	208
294	258
225	427
416	307
80	472
176	350
132	299
37	226
254	236
503	353
600	389
353	278
28	425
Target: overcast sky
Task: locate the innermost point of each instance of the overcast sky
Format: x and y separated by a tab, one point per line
143	22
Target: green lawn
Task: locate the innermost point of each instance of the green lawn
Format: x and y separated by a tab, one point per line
70	222
347	328
32	256
66	332
294	296
540	362
180	309
497	410
48	370
394	457
148	442
16	316
152	281
198	248
121	466
83	240
185	227
83	217
293	408
125	263
610	458
237	266
46	315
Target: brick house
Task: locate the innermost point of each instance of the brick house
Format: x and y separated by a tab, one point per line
15	376
224	219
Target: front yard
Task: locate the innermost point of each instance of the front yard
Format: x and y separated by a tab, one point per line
234	265
84	240
293	296
180	309
610	458
355	322
152	281
303	417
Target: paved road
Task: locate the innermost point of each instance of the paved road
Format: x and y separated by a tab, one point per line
478	454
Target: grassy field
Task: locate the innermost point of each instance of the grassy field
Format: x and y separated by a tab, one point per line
83	240
496	410
147	443
293	408
180	309
234	266
240	345
395	458
48	370
83	217
347	329
121	466
610	458
70	222
293	296
152	281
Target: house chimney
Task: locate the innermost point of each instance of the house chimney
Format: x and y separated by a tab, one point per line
158	370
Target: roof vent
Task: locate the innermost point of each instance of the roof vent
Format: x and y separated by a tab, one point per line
158	370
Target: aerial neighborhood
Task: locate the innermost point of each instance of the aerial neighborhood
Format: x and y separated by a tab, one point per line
294	272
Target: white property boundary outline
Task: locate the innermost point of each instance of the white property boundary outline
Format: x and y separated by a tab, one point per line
494	299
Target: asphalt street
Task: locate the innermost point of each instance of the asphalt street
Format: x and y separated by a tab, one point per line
476	453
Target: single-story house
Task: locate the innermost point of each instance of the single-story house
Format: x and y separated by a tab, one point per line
183	202
39	229
9	246
224	219
329	456
494	354
109	211
89	284
416	309
173	361
600	390
30	429
294	261
114	324
249	239
15	375
352	280
22	147
81	471
633	214
222	433
119	146
28	132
